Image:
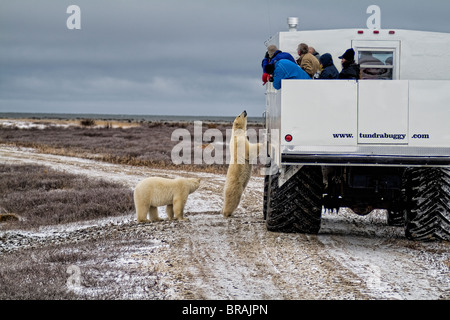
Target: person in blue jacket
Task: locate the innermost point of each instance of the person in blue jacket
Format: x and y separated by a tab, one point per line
272	56
329	70
285	69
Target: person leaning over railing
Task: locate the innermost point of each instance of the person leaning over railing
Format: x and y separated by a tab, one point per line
284	69
272	56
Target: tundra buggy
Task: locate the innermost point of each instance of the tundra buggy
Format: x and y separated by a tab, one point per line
381	142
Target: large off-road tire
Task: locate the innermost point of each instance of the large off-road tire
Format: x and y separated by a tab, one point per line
395	214
267	181
427	214
296	206
395	218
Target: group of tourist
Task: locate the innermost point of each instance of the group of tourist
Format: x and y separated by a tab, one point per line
278	65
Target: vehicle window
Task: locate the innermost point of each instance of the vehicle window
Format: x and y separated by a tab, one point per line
376	64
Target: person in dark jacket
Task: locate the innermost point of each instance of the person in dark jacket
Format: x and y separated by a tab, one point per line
314	52
350	70
273	55
329	71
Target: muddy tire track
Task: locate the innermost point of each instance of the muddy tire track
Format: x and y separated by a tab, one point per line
210	257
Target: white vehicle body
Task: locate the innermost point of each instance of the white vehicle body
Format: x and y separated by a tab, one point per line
401	120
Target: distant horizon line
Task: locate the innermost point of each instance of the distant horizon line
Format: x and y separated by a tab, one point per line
112	116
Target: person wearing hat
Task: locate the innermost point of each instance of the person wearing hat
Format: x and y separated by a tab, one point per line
272	56
350	70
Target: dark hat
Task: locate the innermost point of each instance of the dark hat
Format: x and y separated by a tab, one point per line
269	68
349	55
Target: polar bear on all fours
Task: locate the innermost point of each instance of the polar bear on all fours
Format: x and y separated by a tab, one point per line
154	192
242	153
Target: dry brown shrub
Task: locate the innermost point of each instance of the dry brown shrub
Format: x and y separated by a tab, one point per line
8	217
146	144
42	196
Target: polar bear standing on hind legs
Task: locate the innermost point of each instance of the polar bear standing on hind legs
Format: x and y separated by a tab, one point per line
242	152
153	192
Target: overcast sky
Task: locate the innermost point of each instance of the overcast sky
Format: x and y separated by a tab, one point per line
165	57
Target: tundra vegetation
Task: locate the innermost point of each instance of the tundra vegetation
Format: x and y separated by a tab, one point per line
40	196
141	144
35	197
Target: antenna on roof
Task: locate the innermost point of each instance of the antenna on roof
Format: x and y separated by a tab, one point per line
293	23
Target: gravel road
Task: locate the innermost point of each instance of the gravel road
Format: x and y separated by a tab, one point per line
210	257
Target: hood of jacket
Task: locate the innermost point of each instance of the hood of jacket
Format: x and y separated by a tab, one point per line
326	60
280	55
275	54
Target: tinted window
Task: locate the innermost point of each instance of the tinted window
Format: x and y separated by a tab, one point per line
376	64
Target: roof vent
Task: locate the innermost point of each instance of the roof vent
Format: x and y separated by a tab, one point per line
293	23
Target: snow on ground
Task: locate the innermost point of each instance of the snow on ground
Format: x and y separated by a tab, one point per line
210	257
42	124
27	124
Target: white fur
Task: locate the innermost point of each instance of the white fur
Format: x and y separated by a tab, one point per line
240	167
154	192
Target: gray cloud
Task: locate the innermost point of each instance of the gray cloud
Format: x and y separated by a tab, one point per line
163	57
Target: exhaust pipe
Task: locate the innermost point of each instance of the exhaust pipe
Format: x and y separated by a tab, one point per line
293	23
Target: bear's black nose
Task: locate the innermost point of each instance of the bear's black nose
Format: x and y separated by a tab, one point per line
245	113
